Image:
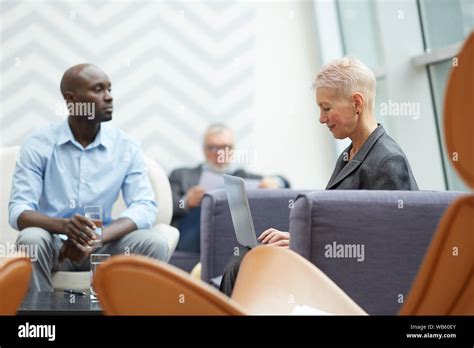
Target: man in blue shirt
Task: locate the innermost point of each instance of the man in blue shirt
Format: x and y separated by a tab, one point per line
80	162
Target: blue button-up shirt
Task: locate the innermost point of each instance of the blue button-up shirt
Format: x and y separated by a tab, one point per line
57	177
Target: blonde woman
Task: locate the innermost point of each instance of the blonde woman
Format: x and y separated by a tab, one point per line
345	93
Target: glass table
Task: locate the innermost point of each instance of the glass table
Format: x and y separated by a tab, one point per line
58	303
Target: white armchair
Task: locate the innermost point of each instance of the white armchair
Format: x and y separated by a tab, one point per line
80	280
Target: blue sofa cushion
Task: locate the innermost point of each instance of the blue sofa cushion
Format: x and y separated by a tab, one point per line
392	228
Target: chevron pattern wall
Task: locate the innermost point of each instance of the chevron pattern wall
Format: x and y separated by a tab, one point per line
174	66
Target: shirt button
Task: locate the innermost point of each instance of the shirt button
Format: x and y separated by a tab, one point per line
83	181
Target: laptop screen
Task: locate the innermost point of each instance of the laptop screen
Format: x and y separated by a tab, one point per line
240	211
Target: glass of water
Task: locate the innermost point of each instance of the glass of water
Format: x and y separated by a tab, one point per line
94	213
96	260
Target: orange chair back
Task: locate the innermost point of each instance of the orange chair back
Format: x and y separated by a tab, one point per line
458	108
137	285
274	280
15	275
445	282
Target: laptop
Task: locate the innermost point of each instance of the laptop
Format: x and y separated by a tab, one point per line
240	211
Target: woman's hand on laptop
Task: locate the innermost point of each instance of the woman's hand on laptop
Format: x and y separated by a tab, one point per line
275	237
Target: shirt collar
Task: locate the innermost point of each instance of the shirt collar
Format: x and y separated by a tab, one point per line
103	136
65	133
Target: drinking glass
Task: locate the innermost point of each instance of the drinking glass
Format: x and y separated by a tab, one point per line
96	260
94	213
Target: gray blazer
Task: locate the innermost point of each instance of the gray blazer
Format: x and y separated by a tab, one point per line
380	164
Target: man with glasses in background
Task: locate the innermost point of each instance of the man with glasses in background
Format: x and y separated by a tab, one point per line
189	184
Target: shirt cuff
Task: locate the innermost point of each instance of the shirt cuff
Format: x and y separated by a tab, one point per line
143	216
15	213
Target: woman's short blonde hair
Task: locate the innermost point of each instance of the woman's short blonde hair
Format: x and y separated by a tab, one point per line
347	76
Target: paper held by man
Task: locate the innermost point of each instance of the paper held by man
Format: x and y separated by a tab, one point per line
212	181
